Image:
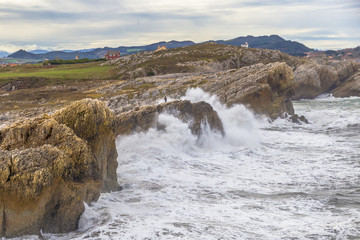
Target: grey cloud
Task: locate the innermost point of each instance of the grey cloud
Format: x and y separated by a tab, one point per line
89	21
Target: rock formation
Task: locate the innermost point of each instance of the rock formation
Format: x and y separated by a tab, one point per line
48	170
196	114
350	87
313	79
92	121
266	89
205	57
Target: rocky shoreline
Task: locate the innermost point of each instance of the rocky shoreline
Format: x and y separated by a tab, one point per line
50	164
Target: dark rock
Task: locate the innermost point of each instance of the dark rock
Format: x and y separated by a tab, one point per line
145	118
299	120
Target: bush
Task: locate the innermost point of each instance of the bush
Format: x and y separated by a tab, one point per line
72	61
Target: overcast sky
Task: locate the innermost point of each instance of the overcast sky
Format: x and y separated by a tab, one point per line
80	24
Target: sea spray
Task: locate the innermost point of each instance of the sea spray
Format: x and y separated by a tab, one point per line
240	125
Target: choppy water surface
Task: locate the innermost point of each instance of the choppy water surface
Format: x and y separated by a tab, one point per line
262	181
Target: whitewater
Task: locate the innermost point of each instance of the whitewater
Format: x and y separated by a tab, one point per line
262	180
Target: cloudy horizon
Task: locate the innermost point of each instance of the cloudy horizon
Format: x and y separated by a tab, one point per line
83	24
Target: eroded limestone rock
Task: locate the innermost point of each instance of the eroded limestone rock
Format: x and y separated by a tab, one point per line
93	121
313	79
350	87
51	165
46	173
266	89
196	114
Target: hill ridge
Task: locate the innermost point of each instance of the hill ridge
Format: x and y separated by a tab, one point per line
273	42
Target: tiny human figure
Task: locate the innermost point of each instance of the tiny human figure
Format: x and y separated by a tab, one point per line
165	99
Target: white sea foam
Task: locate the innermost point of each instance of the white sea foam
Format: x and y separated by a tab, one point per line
240	125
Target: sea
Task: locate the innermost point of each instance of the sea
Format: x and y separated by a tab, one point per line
262	180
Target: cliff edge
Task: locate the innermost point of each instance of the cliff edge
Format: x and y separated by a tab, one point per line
48	169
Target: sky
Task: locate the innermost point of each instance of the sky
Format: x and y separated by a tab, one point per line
83	24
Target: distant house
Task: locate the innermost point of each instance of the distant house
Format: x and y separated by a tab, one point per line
77	57
112	55
245	45
163	48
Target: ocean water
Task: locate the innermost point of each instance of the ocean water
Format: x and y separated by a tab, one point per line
263	180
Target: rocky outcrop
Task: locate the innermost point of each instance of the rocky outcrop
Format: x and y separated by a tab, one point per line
266	89
350	87
49	169
47	172
313	79
92	121
298	119
144	118
205	57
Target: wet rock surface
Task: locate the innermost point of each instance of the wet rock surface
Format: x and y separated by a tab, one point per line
196	114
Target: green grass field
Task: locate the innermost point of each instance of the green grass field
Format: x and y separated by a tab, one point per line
84	71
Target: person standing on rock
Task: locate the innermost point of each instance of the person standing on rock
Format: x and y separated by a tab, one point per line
165	99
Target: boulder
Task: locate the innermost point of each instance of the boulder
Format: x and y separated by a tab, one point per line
46	173
313	79
350	87
298	119
196	114
93	121
51	165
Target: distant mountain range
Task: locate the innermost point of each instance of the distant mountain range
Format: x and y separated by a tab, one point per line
3	54
266	42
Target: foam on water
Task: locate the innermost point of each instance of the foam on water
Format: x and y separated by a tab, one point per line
261	181
240	125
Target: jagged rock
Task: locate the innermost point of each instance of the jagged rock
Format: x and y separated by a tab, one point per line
299	120
266	89
196	114
313	79
93	121
350	87
46	173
